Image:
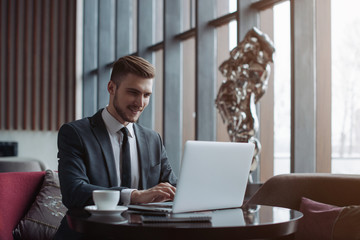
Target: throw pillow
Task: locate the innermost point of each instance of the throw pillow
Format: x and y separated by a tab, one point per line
43	219
347	224
318	220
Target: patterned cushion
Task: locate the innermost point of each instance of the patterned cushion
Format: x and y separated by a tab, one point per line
44	216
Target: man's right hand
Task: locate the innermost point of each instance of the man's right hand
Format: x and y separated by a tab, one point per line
159	193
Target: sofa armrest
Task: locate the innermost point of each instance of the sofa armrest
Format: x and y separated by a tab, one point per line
21	164
17	192
286	190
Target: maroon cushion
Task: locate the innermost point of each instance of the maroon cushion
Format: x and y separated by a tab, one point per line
318	221
17	192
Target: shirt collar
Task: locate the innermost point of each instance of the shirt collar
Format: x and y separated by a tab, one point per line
114	125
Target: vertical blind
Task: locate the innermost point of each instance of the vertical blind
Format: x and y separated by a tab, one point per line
37	64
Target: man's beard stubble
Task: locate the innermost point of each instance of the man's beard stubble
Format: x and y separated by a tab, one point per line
122	113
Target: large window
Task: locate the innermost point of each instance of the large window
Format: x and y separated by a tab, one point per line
310	114
345	50
330	56
186	40
282	81
226	40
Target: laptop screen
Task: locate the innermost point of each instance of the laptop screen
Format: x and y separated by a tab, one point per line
213	175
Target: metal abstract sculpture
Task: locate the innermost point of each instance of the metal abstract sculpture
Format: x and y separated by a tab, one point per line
247	72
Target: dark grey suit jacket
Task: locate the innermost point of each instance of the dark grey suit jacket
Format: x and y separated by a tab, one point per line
86	163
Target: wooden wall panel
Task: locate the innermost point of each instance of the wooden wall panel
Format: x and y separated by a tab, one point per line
60	64
44	62
52	70
9	59
16	64
37	64
70	61
2	48
267	108
26	62
34	62
323	86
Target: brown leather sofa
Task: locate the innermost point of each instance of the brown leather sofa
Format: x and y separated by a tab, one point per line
340	190
286	190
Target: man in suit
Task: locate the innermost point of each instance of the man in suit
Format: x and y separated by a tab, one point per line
91	150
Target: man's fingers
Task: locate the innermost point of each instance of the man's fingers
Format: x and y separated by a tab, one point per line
162	194
166	184
166	187
160	199
158	193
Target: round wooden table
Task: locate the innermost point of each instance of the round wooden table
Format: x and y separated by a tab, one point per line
253	222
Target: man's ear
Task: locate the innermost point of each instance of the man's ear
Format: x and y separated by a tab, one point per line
111	87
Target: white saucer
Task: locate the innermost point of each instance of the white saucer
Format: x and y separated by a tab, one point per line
93	210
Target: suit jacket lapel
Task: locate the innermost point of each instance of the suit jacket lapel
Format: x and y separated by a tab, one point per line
102	136
143	156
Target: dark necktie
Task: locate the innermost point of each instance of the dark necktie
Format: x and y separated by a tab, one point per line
126	164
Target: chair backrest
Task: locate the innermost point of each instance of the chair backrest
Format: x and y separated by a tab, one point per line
17	192
286	190
20	164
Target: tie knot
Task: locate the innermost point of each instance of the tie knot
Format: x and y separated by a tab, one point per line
125	131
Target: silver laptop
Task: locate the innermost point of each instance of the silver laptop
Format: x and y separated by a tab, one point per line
213	175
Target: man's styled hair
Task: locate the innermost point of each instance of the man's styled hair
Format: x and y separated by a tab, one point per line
131	64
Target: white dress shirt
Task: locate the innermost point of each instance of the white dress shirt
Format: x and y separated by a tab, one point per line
113	127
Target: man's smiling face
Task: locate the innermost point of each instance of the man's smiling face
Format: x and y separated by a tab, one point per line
129	99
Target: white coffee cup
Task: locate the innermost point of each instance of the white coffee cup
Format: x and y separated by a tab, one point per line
106	199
